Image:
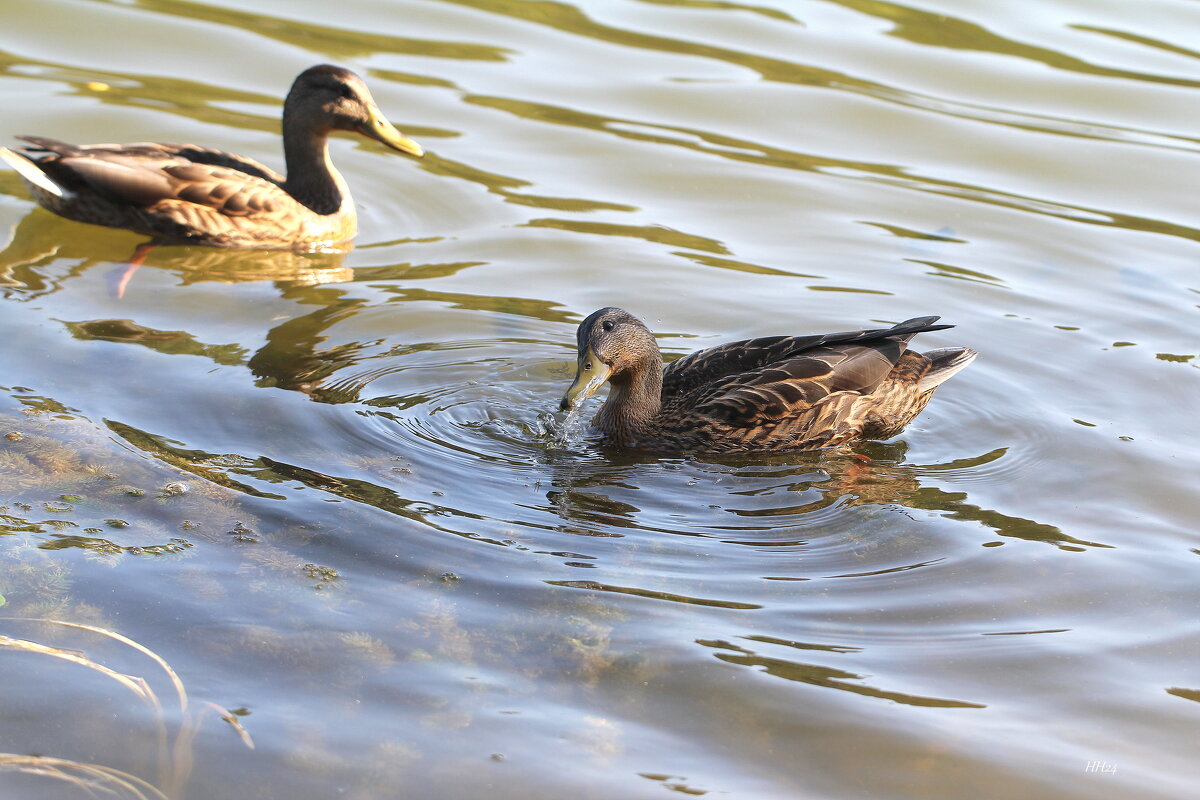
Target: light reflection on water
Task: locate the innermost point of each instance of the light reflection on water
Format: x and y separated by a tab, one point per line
402	573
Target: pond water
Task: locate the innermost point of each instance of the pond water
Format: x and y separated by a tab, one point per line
327	490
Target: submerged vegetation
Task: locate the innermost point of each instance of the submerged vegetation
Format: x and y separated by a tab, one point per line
78	497
72	489
73	493
174	752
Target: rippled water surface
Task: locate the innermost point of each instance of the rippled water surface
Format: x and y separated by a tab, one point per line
328	490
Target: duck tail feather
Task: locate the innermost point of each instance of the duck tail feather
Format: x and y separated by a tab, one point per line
30	172
944	364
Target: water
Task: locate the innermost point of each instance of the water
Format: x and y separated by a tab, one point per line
398	580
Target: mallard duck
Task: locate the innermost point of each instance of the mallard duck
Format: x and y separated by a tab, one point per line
781	393
197	195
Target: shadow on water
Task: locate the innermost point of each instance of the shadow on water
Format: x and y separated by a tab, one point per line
821	676
168	342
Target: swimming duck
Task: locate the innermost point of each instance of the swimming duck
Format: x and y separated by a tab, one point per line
781	393
197	195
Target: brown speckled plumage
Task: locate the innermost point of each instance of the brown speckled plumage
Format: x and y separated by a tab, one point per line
780	393
186	193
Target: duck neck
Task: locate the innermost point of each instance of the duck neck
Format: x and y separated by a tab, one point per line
634	400
311	177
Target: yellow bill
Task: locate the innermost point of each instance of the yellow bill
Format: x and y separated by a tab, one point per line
378	128
590	375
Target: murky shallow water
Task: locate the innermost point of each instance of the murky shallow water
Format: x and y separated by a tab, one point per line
385	565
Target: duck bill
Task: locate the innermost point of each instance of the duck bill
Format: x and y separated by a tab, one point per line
378	128
590	375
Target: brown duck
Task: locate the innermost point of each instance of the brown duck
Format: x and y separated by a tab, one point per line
191	194
777	393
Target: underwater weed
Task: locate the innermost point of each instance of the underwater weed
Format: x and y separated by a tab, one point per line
175	763
92	779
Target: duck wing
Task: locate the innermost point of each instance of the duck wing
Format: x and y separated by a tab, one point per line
747	384
146	175
189	152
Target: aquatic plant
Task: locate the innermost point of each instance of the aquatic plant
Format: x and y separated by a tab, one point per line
174	753
90	779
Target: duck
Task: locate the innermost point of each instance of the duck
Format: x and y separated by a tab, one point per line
778	393
184	193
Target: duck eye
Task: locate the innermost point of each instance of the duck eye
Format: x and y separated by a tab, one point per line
607	325
587	366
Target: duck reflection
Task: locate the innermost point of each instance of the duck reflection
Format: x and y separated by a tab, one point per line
756	492
172	342
42	255
286	269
